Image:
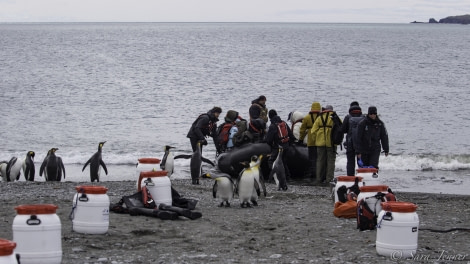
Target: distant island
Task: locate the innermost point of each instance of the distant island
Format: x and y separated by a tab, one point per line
464	19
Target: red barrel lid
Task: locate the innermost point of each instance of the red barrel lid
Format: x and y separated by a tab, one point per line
399	207
149	160
32	209
348	178
374	188
6	247
151	174
366	170
91	189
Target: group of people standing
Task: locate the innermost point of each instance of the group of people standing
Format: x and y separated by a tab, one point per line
366	135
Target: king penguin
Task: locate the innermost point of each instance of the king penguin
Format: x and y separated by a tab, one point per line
278	172
246	186
43	165
3	169
52	166
223	189
95	161
167	163
14	169
196	163
28	166
255	167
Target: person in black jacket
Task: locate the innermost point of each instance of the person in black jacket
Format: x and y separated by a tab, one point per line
350	124
204	126
273	139
372	137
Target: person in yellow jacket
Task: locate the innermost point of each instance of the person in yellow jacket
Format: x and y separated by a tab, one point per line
306	132
326	152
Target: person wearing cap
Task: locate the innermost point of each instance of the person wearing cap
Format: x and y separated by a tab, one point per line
204	126
258	109
306	132
372	138
326	150
349	127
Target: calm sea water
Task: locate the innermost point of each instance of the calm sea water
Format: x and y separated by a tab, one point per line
139	86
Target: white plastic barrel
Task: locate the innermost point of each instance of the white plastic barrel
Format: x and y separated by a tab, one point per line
369	191
397	230
158	184
147	164
37	233
347	181
370	176
90	213
6	252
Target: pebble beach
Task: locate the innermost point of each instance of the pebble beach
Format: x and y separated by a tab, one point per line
293	226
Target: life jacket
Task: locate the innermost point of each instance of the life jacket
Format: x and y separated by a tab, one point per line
282	132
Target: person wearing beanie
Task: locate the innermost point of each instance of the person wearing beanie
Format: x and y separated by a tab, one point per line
204	126
349	127
326	150
258	109
225	132
372	137
306	135
279	135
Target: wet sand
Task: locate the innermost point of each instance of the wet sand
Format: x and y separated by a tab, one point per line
296	226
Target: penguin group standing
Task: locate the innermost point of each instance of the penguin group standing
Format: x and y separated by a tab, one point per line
11	170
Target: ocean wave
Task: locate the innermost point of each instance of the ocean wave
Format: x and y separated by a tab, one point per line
404	162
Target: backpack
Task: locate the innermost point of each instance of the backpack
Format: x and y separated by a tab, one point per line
367	216
282	132
352	130
223	133
337	134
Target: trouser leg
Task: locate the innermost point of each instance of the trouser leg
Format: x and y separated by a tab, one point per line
312	156
321	163
330	163
351	162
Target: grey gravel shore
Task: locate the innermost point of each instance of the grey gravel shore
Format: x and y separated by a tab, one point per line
295	226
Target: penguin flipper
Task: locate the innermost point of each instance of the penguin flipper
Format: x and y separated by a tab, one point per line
183	156
207	161
257	188
86	164
61	165
41	169
104	166
263	185
214	189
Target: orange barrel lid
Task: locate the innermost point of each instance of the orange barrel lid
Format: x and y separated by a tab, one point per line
348	178
399	207
374	188
32	209
149	160
91	189
6	247
366	170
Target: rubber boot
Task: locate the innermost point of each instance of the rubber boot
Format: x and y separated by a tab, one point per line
164	215
180	211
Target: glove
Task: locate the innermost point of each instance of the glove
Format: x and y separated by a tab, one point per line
360	163
204	142
386	154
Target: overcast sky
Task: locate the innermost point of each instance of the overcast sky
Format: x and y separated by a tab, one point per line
353	11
